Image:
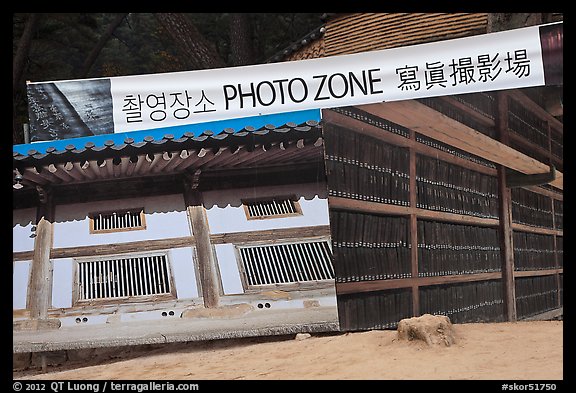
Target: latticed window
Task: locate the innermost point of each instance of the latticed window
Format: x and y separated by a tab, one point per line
123	277
306	261
274	207
116	221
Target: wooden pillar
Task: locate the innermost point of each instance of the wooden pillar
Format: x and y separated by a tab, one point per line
506	245
40	290
556	261
505	209
414	229
210	282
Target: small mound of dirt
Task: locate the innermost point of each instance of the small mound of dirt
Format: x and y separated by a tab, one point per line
432	329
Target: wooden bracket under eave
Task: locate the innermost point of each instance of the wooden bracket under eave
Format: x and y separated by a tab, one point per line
515	179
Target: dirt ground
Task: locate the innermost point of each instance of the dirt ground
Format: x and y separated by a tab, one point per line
495	351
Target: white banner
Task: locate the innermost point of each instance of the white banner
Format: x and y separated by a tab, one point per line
503	60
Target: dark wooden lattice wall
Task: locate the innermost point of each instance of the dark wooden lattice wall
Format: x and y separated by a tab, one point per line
415	225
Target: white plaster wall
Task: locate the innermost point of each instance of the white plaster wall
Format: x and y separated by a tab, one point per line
22	222
226	214
165	216
62	282
231	283
182	265
20	280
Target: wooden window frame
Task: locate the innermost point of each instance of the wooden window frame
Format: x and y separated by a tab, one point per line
141	227
76	301
291	198
294	286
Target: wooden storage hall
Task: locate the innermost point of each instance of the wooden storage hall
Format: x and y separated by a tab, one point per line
430	208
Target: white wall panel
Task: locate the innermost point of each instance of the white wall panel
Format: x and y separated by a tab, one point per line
62	282
20	280
226	214
184	273
226	256
165	218
22	222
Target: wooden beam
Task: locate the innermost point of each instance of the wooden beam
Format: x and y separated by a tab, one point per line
479	117
536	273
116	167
398	140
420	118
84	169
543	231
22	256
162	161
457	218
200	158
125	164
382	208
158	158
176	159
32	174
258	152
543	191
367	206
546	316
70	170
413	227
379	285
94	168
109	167
271	235
210	282
60	173
118	248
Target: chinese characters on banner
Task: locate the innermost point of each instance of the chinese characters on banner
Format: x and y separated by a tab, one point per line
484	68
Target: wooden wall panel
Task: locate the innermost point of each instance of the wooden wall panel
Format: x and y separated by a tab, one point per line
456	270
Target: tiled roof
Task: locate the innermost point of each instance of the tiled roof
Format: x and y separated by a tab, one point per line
286	145
296	46
247	136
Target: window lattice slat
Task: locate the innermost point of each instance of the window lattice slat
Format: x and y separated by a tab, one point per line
287	263
123	277
279	206
131	219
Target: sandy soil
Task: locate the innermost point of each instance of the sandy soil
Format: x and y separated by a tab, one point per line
501	351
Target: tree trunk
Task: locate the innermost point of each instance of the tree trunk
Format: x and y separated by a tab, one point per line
89	62
509	21
195	49
241	44
24	43
18	66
